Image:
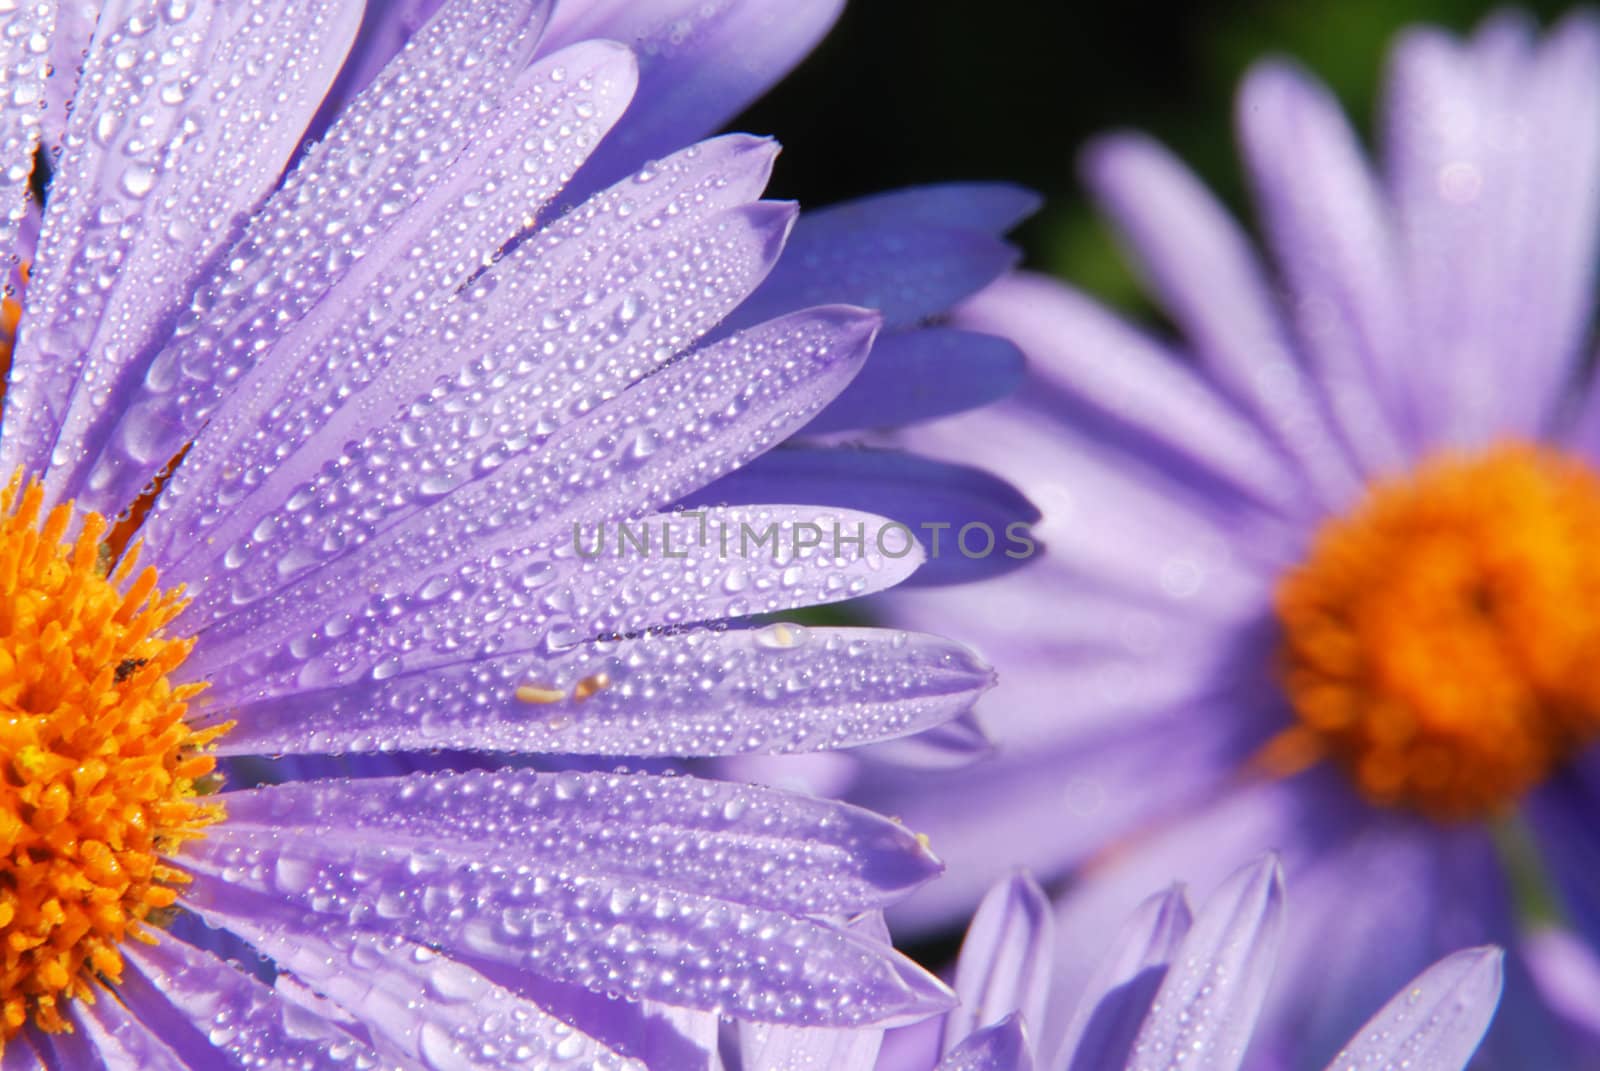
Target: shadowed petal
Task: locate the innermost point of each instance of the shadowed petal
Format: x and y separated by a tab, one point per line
920	374
970	524
1118	995
909	253
1204	1012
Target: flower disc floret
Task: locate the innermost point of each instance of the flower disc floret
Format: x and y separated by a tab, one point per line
102	776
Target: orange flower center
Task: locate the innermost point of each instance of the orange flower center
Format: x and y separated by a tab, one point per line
1442	641
100	777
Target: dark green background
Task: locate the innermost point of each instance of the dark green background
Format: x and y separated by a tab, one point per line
906	91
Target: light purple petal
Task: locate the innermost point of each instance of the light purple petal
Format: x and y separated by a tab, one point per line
605	580
372	201
680	428
1062	804
1335	245
779	689
765	1047
20	1055
422	1008
1493	154
1102	372
920	374
1005	961
68	1052
1206	1008
622	918
188	114
767	849
1118	995
1202	266
214	1015
1001	1047
1567	971
1436	1022
700	64
970	524
624	283
891	252
119	1040
25	43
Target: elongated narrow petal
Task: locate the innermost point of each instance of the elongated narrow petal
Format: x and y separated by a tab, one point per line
674	431
1493	155
782	688
601	581
970	523
659	915
1004	968
424	1008
770	849
700	64
1001	1047
121	1041
474	383
887	253
1338	249
372	202
1117	997
766	1047
1204	1012
1200	262
209	1011
920	374
190	112
1436	1022
25	42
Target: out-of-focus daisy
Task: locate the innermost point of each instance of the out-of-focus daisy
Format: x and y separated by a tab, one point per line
1175	992
1321	571
342	426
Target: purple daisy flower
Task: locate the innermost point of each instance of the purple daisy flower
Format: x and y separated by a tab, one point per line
1175	991
1320	571
344	424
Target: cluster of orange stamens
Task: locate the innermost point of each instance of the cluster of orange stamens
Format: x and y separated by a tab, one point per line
101	777
1441	642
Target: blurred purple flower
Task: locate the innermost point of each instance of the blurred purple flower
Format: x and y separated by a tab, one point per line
498	299
1320	573
1176	992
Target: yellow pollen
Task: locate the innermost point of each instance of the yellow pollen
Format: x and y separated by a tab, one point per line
100	776
1441	641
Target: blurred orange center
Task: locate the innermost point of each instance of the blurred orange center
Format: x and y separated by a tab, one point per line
1442	640
99	774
